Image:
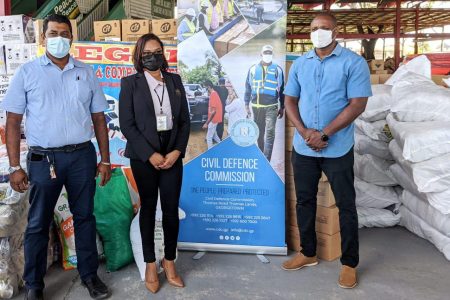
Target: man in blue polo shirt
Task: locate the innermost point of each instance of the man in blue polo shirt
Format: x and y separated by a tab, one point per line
327	90
63	103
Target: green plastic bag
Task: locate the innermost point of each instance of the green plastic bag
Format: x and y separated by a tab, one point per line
113	211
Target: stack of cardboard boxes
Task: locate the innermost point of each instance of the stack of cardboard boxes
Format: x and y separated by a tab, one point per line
327	216
377	67
131	30
235	37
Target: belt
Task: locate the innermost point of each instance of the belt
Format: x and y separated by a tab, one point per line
165	133
68	148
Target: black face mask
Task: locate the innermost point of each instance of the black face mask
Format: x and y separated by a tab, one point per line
153	62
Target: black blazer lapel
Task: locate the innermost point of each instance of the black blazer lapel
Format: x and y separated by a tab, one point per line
174	101
144	89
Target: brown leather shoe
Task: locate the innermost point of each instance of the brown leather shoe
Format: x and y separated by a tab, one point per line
171	274
348	279
299	261
151	278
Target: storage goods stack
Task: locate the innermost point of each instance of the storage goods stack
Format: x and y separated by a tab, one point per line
377	67
236	36
377	198
13	221
420	123
327	216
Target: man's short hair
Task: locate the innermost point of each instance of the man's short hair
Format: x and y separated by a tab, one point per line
58	19
329	16
208	83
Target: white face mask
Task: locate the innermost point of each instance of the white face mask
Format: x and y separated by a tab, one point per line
321	38
267	58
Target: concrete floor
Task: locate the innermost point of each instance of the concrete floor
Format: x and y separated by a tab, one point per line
395	264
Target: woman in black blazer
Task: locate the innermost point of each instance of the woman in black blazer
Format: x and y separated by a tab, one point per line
154	118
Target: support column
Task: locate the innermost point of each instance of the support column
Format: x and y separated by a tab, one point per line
397	33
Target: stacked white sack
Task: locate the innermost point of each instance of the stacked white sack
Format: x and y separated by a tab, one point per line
376	199
420	124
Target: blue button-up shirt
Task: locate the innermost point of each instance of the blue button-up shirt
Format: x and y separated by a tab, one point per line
57	103
324	88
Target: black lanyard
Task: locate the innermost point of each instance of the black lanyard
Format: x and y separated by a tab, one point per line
161	99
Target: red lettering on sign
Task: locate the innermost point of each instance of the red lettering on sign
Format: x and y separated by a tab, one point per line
89	53
118	54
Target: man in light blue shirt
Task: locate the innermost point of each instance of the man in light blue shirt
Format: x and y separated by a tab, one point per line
64	105
327	90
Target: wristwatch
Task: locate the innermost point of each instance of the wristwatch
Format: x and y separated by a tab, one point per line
14	169
324	137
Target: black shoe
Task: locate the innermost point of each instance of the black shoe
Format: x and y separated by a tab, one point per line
97	289
34	295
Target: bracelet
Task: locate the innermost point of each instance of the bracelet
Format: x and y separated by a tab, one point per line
105	163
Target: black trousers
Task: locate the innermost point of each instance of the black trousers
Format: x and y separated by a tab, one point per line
307	173
168	182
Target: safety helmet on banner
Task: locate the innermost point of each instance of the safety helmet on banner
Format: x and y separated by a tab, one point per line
190	12
205	3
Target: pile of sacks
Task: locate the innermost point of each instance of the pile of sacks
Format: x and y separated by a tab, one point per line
420	124
377	191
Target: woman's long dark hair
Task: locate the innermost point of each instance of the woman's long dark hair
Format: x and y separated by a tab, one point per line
139	50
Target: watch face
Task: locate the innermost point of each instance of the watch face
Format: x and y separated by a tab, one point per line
325	138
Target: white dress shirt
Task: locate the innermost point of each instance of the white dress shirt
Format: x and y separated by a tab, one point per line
156	89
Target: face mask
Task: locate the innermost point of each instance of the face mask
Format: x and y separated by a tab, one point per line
267	58
58	47
322	38
153	62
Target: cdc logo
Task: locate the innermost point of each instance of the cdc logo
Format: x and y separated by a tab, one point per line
245	132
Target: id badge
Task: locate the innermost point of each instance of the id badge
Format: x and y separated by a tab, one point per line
161	123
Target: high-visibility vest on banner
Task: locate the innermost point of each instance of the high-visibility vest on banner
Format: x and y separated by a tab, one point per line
191	26
267	85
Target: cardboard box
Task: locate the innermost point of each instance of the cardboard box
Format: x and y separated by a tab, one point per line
380	72
383	78
327	220
105	31
16	29
293	238
165	28
18	54
325	196
4	84
328	246
374	79
38	29
132	30
376	64
438	79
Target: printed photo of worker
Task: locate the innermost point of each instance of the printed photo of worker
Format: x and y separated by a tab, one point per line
220	20
208	91
262	13
261	88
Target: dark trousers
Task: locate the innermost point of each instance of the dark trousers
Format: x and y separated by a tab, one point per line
76	171
266	119
220	126
168	182
307	173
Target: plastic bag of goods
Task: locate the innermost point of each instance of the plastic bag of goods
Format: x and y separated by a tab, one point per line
114	212
136	241
374	196
379	104
440	201
421	208
421	228
377	217
13	217
11	265
430	176
420	101
373	170
420	65
66	232
374	130
421	140
365	145
4	166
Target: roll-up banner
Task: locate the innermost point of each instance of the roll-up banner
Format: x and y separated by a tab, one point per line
231	57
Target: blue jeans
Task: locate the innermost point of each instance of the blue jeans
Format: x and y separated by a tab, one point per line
266	119
76	171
